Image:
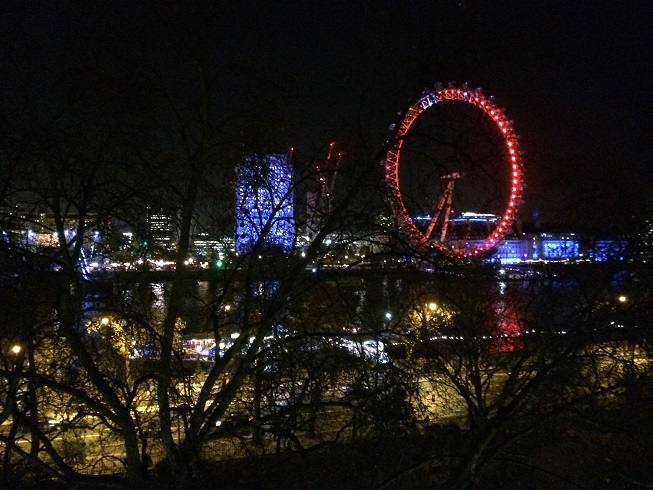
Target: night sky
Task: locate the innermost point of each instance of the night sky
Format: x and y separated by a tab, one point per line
575	76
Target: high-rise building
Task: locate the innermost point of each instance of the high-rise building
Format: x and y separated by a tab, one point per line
264	204
161	228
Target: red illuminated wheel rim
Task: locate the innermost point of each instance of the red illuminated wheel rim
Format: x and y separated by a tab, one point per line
457	158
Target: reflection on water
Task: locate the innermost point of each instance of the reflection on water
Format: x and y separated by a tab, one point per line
506	327
375	302
506	322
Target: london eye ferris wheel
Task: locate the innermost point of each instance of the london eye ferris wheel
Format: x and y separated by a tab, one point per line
454	172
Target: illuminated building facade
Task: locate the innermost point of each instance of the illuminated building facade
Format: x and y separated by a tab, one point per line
39	230
264	204
519	246
551	247
161	227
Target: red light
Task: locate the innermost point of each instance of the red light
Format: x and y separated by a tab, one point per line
392	164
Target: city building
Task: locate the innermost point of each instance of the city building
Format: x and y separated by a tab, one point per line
161	228
39	230
207	245
265	204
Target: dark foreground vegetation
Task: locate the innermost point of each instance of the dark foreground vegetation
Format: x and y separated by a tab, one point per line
582	448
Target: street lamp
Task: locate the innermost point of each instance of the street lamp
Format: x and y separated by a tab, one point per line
15	349
622	299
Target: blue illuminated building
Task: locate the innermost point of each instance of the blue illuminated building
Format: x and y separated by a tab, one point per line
531	244
553	247
264	204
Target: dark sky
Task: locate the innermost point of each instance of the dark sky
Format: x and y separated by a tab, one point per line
575	76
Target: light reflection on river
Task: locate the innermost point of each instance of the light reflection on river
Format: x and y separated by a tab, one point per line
374	301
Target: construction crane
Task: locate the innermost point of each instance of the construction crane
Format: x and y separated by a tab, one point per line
321	203
328	186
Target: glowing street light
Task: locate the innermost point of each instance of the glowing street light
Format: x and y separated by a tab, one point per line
15	349
622	299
